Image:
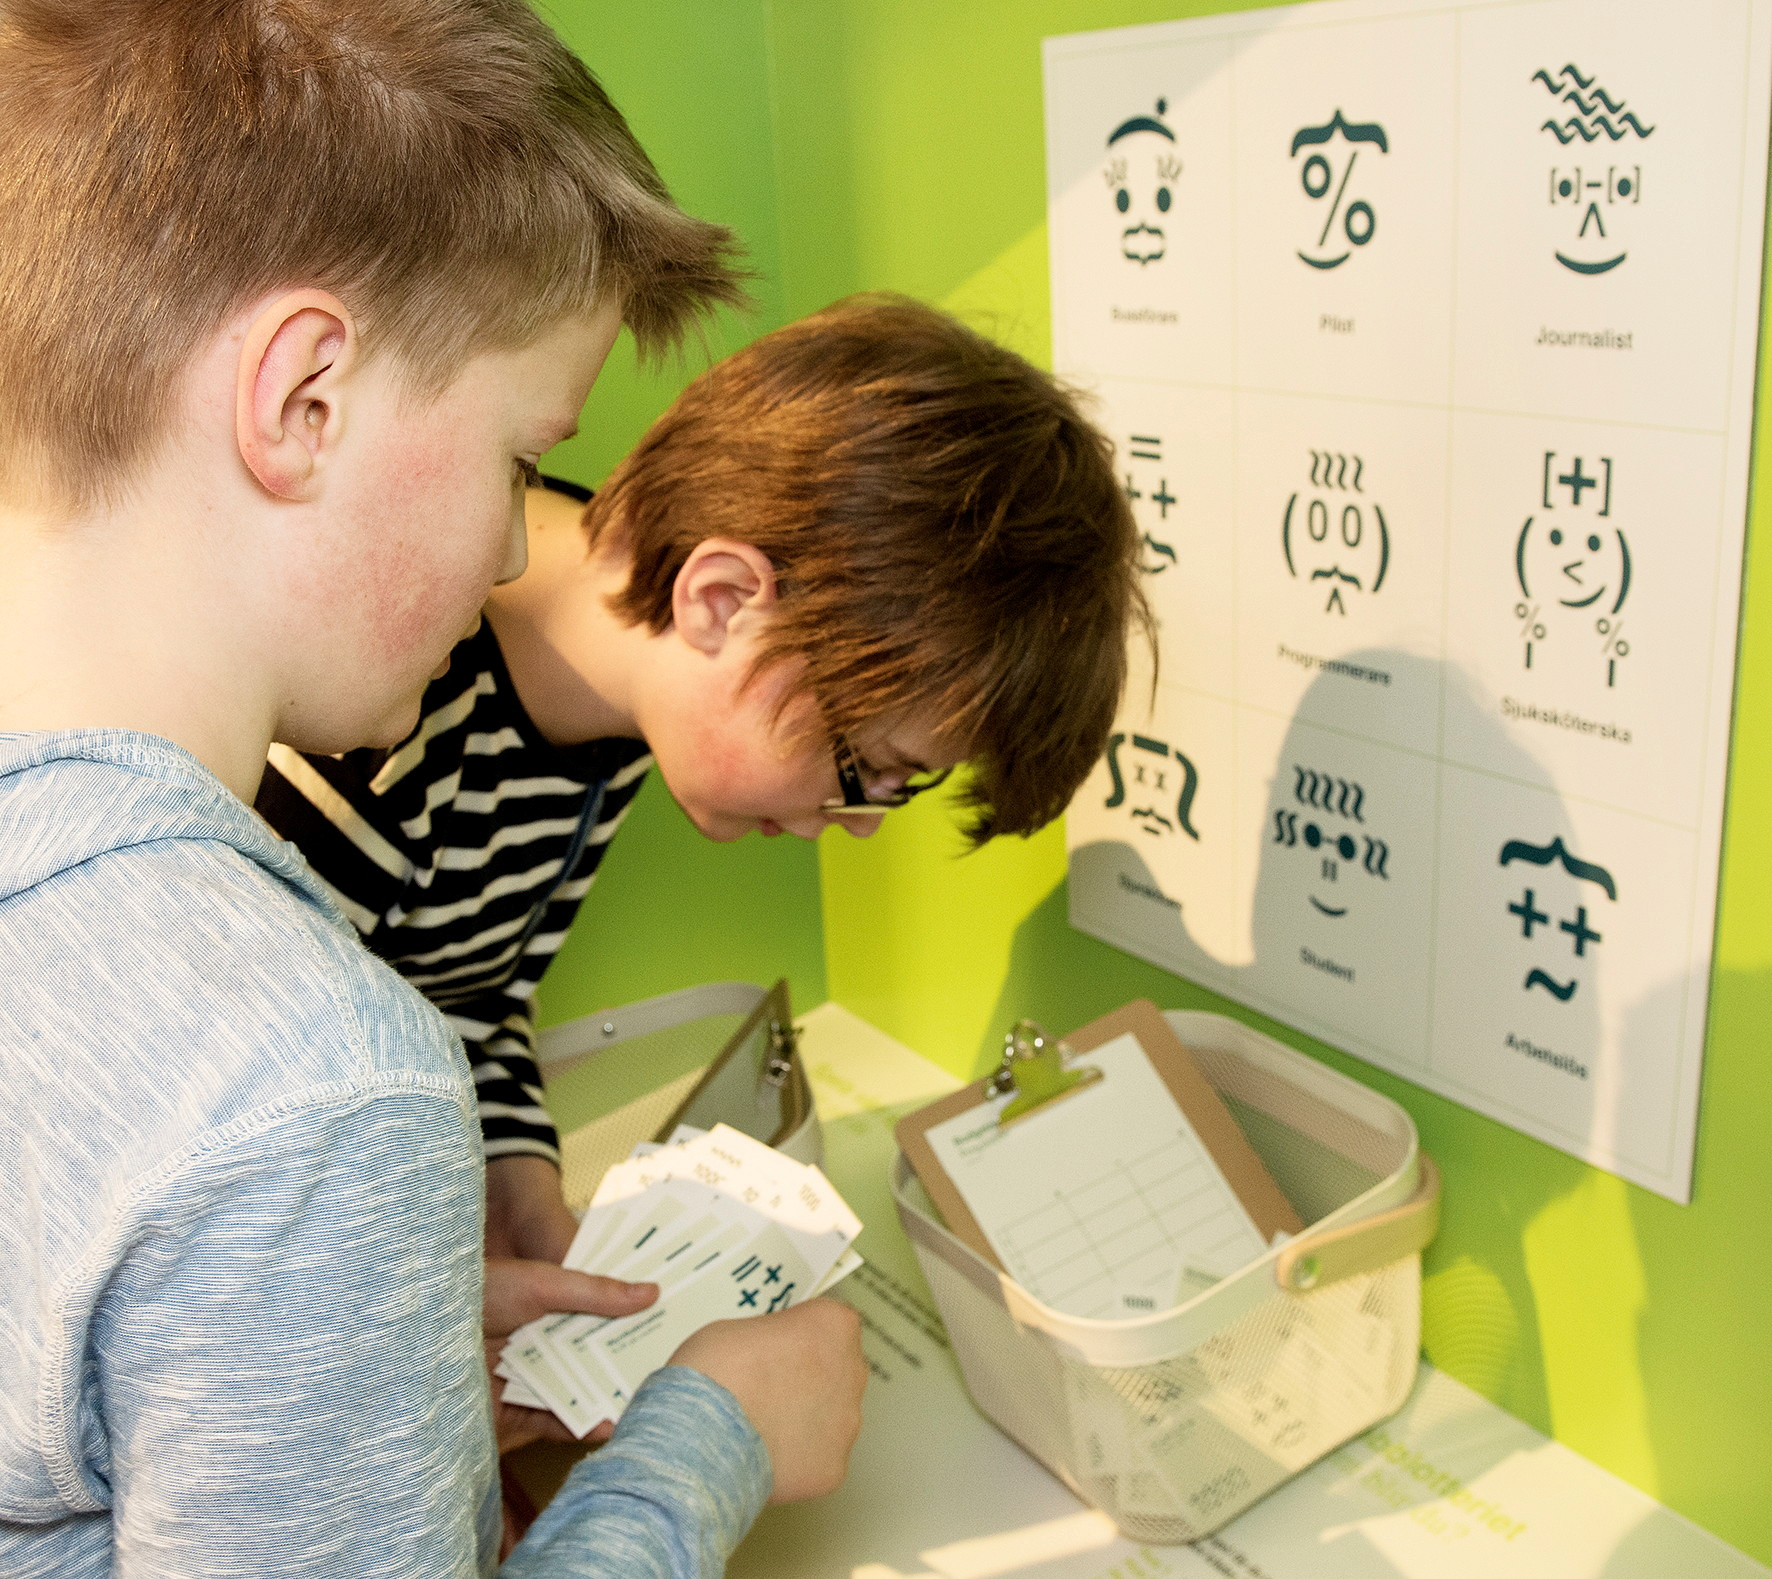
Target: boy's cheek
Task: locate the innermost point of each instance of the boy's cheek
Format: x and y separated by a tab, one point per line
425	573
734	767
715	792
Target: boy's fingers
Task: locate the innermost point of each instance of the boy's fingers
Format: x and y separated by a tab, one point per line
556	1288
523	1291
517	1426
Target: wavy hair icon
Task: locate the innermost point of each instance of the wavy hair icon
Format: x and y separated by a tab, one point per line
1599	114
1332	465
1340	796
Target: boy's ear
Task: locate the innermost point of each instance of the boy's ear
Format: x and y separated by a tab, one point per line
722	582
287	389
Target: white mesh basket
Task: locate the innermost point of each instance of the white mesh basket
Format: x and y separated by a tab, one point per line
1174	1423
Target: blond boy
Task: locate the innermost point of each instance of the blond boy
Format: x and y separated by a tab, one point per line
292	295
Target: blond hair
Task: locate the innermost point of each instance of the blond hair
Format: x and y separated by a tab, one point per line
949	537
448	168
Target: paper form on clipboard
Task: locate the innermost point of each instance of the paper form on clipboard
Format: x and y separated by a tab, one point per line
1122	1198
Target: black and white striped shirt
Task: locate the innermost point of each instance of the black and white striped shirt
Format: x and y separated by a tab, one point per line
462	856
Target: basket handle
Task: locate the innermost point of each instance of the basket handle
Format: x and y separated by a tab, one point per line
591	1033
1312	1259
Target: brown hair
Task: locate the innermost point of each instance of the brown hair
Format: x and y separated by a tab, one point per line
447	167
948	533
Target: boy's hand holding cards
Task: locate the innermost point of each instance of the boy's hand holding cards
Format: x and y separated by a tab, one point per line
724	1225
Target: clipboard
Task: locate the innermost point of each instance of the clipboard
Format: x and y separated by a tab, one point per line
681	1053
1218	1133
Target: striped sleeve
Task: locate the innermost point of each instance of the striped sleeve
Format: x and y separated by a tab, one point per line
499	1035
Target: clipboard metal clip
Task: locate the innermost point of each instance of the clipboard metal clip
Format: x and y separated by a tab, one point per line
784	1043
1033	1066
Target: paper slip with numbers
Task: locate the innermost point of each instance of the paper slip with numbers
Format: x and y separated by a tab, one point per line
724	1225
1120	1199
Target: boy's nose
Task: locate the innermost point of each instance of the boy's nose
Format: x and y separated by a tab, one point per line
516	559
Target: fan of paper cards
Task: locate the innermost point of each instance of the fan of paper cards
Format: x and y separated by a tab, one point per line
724	1225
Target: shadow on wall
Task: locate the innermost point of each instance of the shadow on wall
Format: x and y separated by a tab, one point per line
1535	1292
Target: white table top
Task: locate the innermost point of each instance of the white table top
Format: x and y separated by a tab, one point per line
1452	1488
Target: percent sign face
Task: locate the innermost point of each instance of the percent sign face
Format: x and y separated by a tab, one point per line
1321	180
1531	627
1613	646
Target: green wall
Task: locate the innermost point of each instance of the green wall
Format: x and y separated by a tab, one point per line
897	144
670	909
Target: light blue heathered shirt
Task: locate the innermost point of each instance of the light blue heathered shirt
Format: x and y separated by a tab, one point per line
240	1227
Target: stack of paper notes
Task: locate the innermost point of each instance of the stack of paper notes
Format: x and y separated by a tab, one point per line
723	1224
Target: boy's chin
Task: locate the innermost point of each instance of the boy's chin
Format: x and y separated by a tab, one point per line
729	827
722	830
333	737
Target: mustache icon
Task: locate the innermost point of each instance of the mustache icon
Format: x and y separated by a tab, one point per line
1142	243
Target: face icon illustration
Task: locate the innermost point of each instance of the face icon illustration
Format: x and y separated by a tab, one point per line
1144	476
1570	555
1557	921
1329	827
1601	183
1141	173
1156	784
1334	537
1330	153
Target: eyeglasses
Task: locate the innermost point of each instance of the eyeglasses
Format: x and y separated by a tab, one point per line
855	799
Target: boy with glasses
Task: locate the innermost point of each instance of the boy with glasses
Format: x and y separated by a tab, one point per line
867	548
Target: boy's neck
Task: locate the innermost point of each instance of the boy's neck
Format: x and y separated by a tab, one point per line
571	658
125	621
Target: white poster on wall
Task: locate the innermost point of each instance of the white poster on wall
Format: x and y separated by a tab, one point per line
1426	336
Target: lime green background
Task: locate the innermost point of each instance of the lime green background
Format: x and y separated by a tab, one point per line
897	144
668	908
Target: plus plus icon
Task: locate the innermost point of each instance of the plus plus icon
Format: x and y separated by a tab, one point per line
1530	916
1578	929
1575	480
